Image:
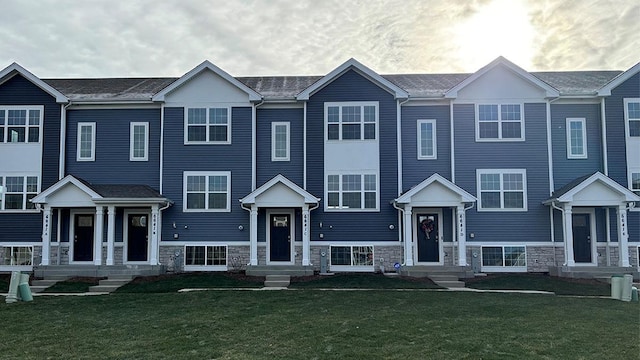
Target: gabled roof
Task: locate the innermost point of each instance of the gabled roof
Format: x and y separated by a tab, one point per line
14	69
206	65
350	64
567	192
606	90
501	61
279	179
110	89
435	178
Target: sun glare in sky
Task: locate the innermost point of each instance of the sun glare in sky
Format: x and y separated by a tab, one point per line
501	27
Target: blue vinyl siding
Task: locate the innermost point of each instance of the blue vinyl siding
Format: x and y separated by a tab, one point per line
27	227
415	171
633	223
353	226
616	148
532	225
112	165
565	170
267	169
178	158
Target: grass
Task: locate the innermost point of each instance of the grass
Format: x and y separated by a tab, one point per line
315	324
560	286
73	285
175	282
361	281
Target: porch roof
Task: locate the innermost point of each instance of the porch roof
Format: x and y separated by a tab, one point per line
594	189
436	190
279	192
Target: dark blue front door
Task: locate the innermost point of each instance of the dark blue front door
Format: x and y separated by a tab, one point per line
581	238
280	237
137	237
83	237
428	238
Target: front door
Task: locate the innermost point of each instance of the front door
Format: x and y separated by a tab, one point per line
428	238
581	238
280	237
83	237
137	237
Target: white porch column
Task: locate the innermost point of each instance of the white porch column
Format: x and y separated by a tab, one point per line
111	231
408	236
461	225
306	245
155	220
623	237
253	226
97	242
567	223
46	235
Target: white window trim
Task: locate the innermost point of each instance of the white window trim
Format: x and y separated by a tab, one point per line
14	267
631	172
502	172
353	268
500	121
205	267
626	102
132	156
207	142
92	125
584	138
275	124
362	191
340	105
27	126
503	268
434	138
207	174
3	192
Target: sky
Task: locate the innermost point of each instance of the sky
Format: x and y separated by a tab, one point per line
138	38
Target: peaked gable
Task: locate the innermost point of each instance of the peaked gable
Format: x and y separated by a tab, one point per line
511	68
283	186
353	64
606	90
195	72
15	69
448	193
595	189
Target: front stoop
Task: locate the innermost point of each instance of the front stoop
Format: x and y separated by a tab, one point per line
446	281
111	284
279	281
291	270
41	285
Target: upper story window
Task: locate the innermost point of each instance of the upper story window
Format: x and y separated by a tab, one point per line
576	138
86	147
207	126
632	116
139	141
352	192
208	191
20	124
635	181
502	189
16	191
499	122
351	121
427	139
280	140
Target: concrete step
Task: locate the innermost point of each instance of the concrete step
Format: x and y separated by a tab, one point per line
277	280
41	285
103	288
450	284
111	284
291	270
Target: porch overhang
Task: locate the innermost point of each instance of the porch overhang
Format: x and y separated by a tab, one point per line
435	191
279	192
596	189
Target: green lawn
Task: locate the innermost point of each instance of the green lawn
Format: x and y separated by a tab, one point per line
175	282
317	324
361	281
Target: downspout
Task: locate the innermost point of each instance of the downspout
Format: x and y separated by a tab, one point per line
399	149
161	146
551	177
564	240
400	228
254	123
304	147
63	139
453	158
605	168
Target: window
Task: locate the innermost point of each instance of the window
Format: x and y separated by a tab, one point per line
16	256
207	191
635	181
86	141
353	257
208	126
352	192
207	257
504	258
351	121
427	139
16	191
576	138
280	141
502	190
499	122
20	124
139	141
632	115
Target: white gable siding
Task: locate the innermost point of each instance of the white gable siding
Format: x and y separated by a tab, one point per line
279	195
500	84
207	89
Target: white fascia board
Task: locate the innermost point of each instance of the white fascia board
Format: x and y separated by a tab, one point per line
13	69
615	82
129	201
406	197
598	176
207	65
501	61
397	92
69	179
251	198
